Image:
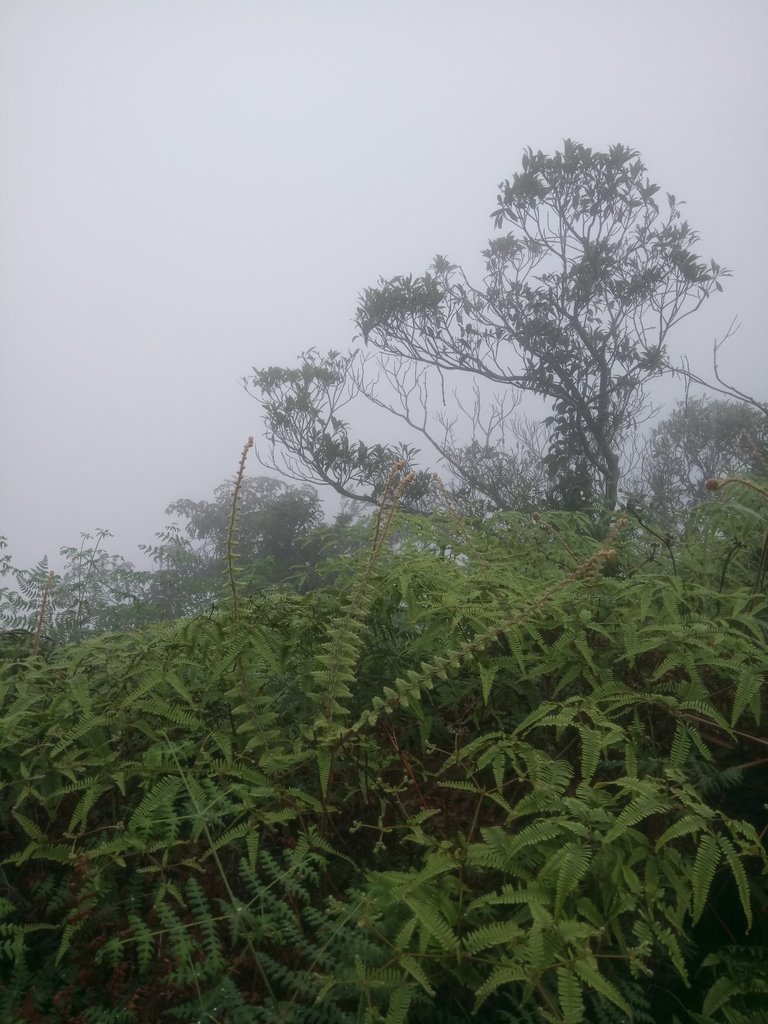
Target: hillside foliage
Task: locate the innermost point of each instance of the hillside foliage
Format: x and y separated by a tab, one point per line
510	770
495	749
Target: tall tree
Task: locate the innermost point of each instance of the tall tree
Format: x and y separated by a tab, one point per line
701	439
576	306
274	519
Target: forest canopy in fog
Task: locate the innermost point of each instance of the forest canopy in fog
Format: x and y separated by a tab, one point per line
448	704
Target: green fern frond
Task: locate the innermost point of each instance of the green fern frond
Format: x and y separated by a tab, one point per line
160	796
504	974
500	851
571	863
571	996
488	936
689	824
432	923
739	876
588	971
144	939
704	867
748	689
399	1003
636	811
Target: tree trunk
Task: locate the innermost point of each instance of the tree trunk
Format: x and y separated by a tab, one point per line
612	482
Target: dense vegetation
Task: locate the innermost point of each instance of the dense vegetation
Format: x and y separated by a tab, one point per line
494	752
499	771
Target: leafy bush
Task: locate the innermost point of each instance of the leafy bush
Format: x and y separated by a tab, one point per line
500	772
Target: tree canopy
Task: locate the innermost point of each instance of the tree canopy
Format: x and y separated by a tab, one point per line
579	295
700	440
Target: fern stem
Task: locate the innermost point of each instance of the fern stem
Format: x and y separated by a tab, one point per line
382	525
41	616
344	643
717	485
232	529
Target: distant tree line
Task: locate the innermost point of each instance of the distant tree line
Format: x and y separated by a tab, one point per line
283	537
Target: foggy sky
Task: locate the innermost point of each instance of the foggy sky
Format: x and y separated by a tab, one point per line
191	188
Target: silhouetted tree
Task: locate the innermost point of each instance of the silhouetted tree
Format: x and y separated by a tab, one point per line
576	305
701	439
94	592
274	521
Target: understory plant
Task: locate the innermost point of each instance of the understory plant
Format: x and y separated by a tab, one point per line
499	771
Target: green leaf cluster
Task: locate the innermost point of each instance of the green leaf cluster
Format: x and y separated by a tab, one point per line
499	771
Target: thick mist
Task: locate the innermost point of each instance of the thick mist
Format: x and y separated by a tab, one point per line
189	189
